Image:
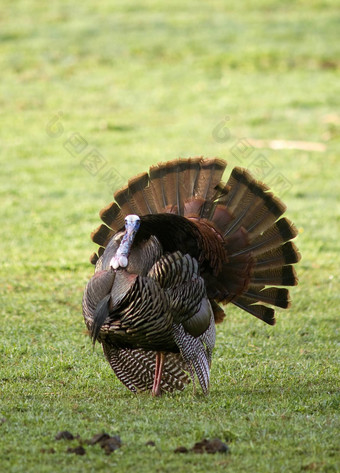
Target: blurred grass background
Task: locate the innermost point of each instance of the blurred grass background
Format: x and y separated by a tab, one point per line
125	85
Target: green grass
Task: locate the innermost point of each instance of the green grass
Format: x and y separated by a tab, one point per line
143	82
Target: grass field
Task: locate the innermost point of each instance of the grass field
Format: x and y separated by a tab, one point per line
129	84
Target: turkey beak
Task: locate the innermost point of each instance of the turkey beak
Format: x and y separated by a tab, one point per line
132	224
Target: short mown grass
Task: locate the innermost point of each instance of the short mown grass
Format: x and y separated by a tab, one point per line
133	83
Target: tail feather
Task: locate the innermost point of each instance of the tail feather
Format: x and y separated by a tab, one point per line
280	256
188	175
239	182
156	174
272	295
123	199
181	182
94	258
282	276
142	199
173	185
267	314
269	209
170	184
209	177
194	166
112	216
102	235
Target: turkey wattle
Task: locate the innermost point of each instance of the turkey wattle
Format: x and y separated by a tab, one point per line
177	243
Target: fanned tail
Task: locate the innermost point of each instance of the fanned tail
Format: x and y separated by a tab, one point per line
244	242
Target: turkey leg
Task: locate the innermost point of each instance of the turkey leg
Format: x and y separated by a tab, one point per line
156	388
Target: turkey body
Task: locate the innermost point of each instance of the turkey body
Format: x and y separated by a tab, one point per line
176	243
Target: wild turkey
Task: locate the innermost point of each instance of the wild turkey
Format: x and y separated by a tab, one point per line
190	242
